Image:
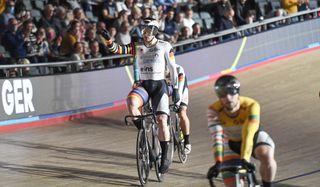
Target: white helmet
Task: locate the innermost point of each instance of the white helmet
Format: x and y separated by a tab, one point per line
151	25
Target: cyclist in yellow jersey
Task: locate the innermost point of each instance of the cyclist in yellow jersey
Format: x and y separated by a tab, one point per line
234	124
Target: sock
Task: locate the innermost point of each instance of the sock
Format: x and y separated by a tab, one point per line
164	147
266	184
186	139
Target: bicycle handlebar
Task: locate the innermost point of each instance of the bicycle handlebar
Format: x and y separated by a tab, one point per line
139	117
233	169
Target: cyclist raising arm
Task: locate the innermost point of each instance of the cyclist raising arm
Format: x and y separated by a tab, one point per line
150	59
234	123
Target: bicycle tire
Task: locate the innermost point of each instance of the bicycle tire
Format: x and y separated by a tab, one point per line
157	150
171	142
182	156
142	157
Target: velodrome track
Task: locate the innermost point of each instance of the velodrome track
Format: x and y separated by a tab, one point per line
100	151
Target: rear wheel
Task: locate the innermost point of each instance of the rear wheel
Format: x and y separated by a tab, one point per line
182	156
142	157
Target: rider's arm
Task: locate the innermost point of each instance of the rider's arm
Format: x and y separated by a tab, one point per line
125	49
216	131
181	80
169	56
248	131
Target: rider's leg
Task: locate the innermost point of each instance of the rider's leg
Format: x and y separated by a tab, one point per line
164	137
268	165
136	98
185	127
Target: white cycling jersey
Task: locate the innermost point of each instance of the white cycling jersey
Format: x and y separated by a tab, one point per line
150	62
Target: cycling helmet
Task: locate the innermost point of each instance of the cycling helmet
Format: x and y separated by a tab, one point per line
227	84
151	26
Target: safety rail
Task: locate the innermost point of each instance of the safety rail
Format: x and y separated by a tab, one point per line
217	37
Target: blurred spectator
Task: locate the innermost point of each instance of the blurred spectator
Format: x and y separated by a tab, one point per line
13	40
60	21
123	16
6	15
121	6
217	10
227	22
71	37
135	21
109	12
30	41
53	43
179	21
146	13
303	5
185	34
148	4
169	25
123	37
25	70
47	19
188	20
78	55
291	6
196	30
242	8
94	53
43	45
130	5
101	26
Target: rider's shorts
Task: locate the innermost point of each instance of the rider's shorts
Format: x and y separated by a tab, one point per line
232	150
157	91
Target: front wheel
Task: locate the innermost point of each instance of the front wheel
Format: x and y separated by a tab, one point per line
182	156
142	157
171	145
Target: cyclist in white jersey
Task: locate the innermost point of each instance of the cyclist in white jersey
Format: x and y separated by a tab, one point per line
150	60
183	106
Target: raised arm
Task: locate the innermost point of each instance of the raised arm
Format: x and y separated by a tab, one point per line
116	48
122	49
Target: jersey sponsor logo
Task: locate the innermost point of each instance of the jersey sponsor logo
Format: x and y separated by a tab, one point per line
149	58
154	50
17	96
146	69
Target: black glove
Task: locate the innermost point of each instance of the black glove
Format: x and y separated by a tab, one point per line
247	165
214	170
105	34
175	95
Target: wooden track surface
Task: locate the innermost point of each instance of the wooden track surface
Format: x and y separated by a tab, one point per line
100	151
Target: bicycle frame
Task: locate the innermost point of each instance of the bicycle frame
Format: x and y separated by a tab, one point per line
143	147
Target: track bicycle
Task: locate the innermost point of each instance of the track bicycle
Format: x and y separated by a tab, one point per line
240	172
148	149
176	135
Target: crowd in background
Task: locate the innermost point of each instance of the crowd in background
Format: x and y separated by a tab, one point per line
69	29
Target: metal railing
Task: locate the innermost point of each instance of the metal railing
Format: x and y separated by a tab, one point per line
217	36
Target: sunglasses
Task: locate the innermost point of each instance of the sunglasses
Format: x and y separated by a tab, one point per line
222	92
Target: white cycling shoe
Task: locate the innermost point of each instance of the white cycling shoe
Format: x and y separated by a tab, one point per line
187	149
